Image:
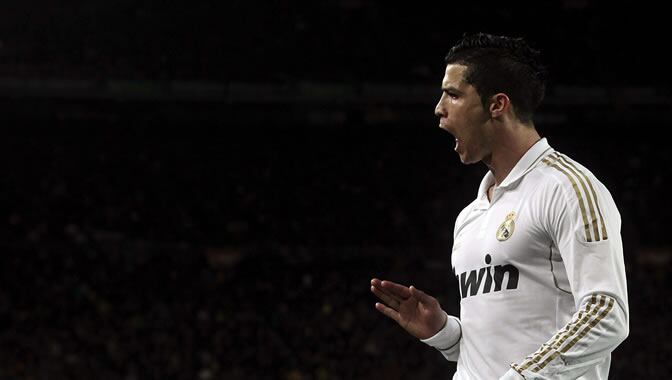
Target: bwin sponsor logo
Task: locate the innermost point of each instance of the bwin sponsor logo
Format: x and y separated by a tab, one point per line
470	282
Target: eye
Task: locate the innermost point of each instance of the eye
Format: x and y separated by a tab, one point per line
450	94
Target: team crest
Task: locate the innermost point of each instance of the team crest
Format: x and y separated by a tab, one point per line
507	227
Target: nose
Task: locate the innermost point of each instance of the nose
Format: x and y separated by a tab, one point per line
438	110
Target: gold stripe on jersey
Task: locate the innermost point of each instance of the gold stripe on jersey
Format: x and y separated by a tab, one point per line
593	217
541	157
592	189
590	326
559	337
586	225
557	351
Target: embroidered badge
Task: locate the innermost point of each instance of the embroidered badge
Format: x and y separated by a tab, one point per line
507	227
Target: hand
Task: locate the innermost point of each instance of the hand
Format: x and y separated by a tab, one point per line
418	313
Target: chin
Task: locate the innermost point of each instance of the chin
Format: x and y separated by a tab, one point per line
467	160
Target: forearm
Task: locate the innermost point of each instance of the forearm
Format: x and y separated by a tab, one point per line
595	330
447	340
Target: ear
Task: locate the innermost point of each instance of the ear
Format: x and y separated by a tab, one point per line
499	105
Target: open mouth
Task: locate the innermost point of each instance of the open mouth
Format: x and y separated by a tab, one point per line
457	141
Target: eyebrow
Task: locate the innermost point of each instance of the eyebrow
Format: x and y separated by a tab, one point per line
450	88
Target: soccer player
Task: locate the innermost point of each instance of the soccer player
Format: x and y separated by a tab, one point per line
538	254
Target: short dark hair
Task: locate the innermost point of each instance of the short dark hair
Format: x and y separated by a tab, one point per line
502	64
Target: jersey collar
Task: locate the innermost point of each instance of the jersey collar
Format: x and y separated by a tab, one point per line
539	150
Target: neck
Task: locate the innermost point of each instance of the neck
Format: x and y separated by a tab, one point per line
508	150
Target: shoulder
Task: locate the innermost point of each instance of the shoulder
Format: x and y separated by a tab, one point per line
558	173
573	192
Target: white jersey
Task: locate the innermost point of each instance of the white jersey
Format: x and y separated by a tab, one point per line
541	275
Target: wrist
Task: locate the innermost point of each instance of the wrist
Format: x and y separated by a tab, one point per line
440	326
448	336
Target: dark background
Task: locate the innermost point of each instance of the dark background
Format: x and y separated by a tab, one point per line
205	190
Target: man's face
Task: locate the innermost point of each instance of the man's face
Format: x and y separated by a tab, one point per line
461	113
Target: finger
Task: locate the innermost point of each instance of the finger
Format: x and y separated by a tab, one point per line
420	295
395	289
389	300
388	312
378	284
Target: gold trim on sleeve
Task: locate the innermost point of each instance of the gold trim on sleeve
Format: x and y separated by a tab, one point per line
586	319
589	327
593	217
592	189
569	330
586	225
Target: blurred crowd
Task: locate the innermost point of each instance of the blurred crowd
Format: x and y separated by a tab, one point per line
325	41
222	253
